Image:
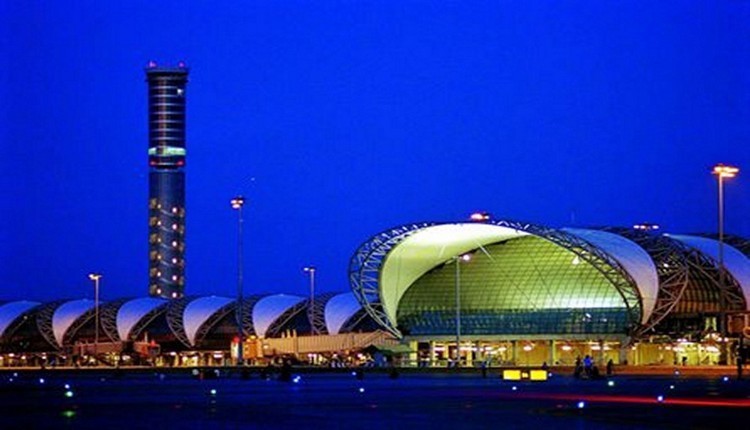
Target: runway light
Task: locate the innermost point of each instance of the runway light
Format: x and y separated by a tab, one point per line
660	398
671	387
354	373
611	383
361	390
296	379
69	414
581	404
725	379
213	391
68	394
41	380
67	386
676	373
514	388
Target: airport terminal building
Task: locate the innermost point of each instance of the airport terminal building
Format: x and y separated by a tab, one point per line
508	293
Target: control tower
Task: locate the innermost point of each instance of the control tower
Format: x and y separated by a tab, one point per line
166	181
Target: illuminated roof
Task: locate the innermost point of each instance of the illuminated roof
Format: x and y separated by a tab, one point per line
9	312
66	314
132	311
198	311
339	309
269	309
429	247
633	258
736	263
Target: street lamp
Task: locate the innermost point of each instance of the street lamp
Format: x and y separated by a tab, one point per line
458	259
310	270
237	204
723	172
95	277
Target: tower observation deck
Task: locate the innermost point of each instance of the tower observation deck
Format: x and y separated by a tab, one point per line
166	159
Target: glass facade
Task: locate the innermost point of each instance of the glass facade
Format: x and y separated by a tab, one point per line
522	286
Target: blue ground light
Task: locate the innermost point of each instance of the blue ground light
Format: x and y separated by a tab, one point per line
325	400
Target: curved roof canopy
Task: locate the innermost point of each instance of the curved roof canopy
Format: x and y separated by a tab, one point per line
736	263
633	258
198	311
131	312
339	310
66	314
269	309
9	312
430	247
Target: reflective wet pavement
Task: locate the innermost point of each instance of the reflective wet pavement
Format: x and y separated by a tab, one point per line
177	400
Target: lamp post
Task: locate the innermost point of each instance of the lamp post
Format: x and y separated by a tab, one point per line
310	270
723	172
237	204
95	277
458	259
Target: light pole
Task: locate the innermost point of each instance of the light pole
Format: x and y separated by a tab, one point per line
310	270
237	204
95	277
458	259
723	172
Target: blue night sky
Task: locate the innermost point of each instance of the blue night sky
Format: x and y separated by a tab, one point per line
340	119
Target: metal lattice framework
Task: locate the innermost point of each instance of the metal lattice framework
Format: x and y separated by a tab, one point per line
213	320
274	328
738	242
671	261
18	322
44	322
352	322
364	270
175	312
90	315
317	313
108	318
710	274
248	304
367	261
141	325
